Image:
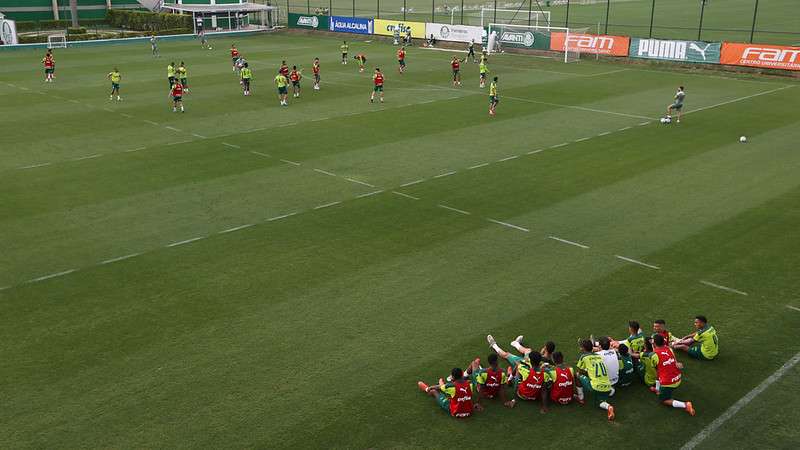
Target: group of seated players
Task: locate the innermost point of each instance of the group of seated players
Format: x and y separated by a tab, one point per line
603	366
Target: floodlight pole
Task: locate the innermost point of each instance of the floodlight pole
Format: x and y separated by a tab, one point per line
608	7
404	10
354	8
378	12
462	12
652	14
566	19
702	12
755	15
308	7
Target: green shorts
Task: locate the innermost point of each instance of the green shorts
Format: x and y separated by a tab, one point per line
115	86
696	352
597	396
282	90
665	393
494	99
443	402
378	88
513	360
185	82
49	70
676	106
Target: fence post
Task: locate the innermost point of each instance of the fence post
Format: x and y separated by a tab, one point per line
287	12
702	12
330	7
404	10
308	7
608	7
530	6
378	12
462	12
753	28
495	12
433	11
354	8
652	14
566	19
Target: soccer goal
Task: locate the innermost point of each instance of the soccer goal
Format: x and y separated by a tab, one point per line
501	36
515	17
56	41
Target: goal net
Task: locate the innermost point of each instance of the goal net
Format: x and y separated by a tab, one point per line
515	17
56	41
504	36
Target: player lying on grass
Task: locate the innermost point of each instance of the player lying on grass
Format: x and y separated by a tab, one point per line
593	377
491	381
669	375
457	397
547	349
115	78
702	344
529	379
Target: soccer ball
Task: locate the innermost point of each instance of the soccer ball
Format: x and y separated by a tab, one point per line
743	139
211	48
666	120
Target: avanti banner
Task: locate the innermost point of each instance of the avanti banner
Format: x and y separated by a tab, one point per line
308	21
674	50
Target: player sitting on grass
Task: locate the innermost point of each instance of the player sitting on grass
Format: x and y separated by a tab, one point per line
702	344
247	76
611	361
593	377
660	327
115	78
547	350
669	374
377	79
456	397
677	104
315	69
646	366
362	61
295	76
528	378
177	96
635	341
491	380
627	371
562	376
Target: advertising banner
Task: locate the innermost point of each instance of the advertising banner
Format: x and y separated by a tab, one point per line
454	33
387	27
358	25
8	32
306	21
669	50
591	43
515	37
761	55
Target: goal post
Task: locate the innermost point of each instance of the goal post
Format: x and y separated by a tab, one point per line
500	36
57	41
515	17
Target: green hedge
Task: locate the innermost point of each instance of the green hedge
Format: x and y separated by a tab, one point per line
36	25
42	38
147	21
72	31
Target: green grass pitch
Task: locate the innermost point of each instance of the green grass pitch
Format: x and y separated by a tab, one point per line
245	275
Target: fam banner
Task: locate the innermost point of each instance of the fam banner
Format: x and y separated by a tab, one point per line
513	37
669	50
761	55
8	32
307	21
387	27
358	25
454	33
591	43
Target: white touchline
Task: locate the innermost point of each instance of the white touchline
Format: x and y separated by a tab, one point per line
359	182
175	244
638	262
568	242
172	128
151	122
508	158
604	133
282	217
33	166
327	205
230	145
724	288
559	145
113	260
581	108
533	152
290	162
738	99
325	172
368	194
178	142
411	183
606	73
460	211
477	166
52	275
446	174
509	225
582	139
741	403
624	128
240	227
406	195
126	115
793	307
199	136
87	157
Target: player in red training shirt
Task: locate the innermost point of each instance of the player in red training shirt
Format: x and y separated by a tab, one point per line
457	397
669	374
401	59
315	69
49	67
295	76
234	56
176	92
456	66
377	79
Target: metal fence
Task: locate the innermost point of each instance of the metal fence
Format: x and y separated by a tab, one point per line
766	21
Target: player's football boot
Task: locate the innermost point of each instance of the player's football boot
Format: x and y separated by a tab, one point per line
690	408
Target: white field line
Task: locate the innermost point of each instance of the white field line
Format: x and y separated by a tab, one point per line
97	155
282	217
405	195
3	288
281	125
460	211
52	275
638	262
230	145
605	133
580	108
353	180
173	129
724	288
533	152
325	172
741	403
606	73
151	123
506	224
508	158
793	307
260	154
120	258
108	109
446	174
559	145
240	227
175	244
199	136
134	149
178	142
290	162
477	166
127	116
33	166
582	139
24	88
326	205
565	241
738	99
74	101
624	128
644	123
368	194
411	183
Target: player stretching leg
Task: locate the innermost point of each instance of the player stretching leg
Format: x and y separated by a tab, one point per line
456	397
247	75
115	78
669	374
677	104
377	78
362	61
315	69
703	343
401	60
493	98
282	82
594	378
295	77
177	96
345	49
456	65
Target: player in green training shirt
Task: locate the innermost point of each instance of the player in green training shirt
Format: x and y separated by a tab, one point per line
283	92
594	377
115	78
634	342
647	369
246	75
171	74
183	75
493	98
484	69
345	49
627	371
703	343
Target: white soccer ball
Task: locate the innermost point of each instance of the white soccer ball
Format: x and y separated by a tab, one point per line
666	120
743	139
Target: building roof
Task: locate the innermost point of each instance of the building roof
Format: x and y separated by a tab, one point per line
223	8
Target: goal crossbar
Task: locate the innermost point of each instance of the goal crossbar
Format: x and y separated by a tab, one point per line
490	14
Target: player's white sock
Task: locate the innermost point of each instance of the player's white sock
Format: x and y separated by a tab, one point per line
604	405
497	348
677	404
613	391
517	346
182	109
174	109
580	393
658	386
119	98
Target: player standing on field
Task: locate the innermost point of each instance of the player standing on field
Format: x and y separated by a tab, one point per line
315	69
284	69
281	82
176	91
471	51
295	77
377	79
246	75
345	49
669	374
49	67
493	98
234	56
171	73
484	70
115	78
401	60
456	65
183	76
154	46
677	104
